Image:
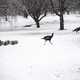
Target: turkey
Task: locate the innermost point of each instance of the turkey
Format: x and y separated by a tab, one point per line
14	42
76	29
6	42
1	43
48	37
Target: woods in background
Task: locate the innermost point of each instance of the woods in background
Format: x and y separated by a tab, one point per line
38	9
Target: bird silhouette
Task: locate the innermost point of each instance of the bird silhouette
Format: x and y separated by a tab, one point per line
1	43
14	42
48	38
6	42
76	29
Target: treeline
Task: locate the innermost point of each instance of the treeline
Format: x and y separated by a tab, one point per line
38	9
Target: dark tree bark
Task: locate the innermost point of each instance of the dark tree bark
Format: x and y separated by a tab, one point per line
61	22
61	6
37	23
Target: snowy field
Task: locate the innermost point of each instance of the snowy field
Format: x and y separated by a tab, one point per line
30	59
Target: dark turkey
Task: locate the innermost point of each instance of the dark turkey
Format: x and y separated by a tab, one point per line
48	37
76	29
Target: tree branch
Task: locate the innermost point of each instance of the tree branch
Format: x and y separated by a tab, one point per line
24	8
55	11
43	16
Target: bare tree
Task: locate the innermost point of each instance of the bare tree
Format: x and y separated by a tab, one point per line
59	11
36	9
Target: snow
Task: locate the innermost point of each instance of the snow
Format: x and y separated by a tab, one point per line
30	59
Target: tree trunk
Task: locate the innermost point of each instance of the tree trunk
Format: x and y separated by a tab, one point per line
37	23
61	22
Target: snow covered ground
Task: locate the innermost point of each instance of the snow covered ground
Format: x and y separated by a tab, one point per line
30	59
